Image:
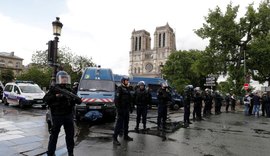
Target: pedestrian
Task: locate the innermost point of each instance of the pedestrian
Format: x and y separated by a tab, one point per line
233	102
142	98
188	95
250	111
256	102
267	103
164	96
227	100
264	101
247	100
197	115
208	102
123	103
61	108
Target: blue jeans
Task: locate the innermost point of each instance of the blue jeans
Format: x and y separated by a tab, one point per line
246	109
256	110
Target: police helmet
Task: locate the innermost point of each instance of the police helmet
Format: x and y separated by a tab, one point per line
62	77
141	83
124	78
164	84
75	83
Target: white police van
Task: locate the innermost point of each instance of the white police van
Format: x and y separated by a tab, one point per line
23	93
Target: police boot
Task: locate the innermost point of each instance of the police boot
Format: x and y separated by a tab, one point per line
116	142
144	126
136	128
128	138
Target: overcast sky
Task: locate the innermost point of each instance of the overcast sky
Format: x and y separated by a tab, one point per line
102	29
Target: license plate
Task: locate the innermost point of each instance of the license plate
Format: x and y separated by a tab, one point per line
94	107
39	101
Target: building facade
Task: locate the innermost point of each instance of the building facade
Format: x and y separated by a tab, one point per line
147	61
10	61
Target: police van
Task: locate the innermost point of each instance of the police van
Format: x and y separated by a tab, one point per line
153	85
23	93
97	91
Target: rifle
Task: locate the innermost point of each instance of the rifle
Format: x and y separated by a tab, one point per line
66	93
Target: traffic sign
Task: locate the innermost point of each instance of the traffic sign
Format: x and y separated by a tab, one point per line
246	85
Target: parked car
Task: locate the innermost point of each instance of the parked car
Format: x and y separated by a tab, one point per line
23	93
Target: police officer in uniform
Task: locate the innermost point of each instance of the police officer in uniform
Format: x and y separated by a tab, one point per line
61	107
142	100
164	97
123	102
208	101
197	115
188	95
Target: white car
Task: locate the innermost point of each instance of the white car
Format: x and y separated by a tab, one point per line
23	93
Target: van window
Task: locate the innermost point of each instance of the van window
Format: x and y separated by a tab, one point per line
8	88
97	85
98	74
16	90
31	89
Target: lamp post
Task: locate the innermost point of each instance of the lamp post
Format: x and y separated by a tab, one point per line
53	48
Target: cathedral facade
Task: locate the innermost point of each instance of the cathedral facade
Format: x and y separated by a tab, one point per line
147	61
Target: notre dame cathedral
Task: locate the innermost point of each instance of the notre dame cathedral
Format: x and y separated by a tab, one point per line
144	61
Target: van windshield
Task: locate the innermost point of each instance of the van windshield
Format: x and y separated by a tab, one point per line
31	89
97	85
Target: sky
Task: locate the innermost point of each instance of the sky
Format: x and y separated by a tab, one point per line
101	29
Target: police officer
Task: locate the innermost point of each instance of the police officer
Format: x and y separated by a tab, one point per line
123	104
142	100
75	87
218	102
188	95
164	97
208	101
197	115
61	107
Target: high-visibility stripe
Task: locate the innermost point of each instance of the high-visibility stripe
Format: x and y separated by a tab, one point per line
97	100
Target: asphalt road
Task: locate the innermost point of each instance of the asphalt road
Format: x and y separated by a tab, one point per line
24	132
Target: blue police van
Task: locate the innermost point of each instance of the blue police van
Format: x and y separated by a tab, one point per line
97	90
153	85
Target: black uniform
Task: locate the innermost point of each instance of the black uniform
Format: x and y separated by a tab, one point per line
142	100
218	103
164	97
61	108
208	102
197	106
187	101
227	100
123	104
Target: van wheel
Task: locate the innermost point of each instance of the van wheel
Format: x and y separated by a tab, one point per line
21	104
5	102
175	106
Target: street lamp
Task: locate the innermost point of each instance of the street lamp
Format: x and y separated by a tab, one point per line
53	48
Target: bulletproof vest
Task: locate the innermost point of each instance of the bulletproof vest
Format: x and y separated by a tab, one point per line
142	97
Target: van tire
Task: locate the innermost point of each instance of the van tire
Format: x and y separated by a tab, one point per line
175	106
21	104
5	101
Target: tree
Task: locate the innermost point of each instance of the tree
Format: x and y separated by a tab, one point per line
229	38
37	75
7	75
180	69
70	62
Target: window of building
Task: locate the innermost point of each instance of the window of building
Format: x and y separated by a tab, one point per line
163	39
135	70
136	42
10	64
159	40
139	70
2	63
140	43
18	64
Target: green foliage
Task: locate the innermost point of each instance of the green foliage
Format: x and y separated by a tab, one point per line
7	75
39	76
73	64
181	69
233	39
